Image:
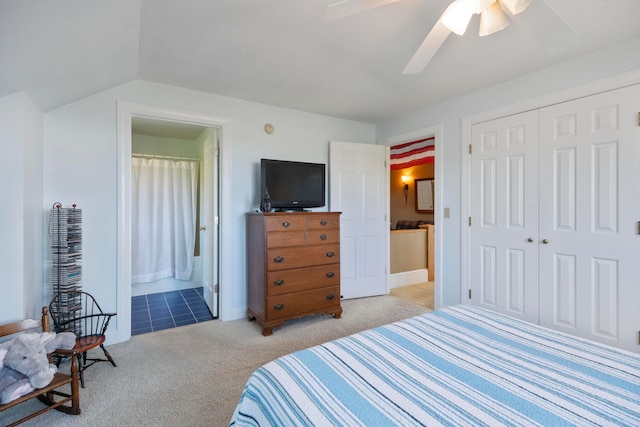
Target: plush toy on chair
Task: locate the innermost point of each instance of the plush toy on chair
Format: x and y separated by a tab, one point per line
25	365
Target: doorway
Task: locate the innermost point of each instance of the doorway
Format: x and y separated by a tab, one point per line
126	111
411	166
426	292
174	204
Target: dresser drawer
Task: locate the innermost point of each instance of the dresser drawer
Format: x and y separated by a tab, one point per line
315	237
302	303
296	280
285	223
323	222
280	239
286	258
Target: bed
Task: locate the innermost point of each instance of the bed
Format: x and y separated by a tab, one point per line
457	366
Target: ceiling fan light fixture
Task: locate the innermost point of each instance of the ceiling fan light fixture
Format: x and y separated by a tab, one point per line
516	6
457	16
477	6
492	19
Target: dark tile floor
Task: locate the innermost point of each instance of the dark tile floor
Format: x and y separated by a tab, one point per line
166	310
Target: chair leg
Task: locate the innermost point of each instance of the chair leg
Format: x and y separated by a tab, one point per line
106	353
82	360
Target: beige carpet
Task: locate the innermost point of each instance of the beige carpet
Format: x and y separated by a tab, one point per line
420	294
193	375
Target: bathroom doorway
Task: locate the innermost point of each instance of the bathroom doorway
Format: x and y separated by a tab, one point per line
174	210
126	111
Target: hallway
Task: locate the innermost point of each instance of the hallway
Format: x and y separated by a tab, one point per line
420	294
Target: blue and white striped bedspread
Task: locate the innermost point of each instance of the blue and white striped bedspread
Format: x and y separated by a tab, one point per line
457	366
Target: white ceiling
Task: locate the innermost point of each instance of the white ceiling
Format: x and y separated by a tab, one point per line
278	52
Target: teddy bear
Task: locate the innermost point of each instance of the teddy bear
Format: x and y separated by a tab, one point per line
24	363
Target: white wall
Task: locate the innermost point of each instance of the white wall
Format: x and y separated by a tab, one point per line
164	146
21	217
586	70
34	218
81	166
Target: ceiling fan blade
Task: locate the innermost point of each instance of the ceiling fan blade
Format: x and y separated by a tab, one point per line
428	48
546	28
351	7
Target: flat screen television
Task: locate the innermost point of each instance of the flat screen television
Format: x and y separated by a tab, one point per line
292	185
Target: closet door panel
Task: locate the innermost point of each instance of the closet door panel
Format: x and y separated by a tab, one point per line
564	189
504	220
605	186
488	279
589	208
563	296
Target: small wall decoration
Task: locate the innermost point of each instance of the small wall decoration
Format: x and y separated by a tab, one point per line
424	195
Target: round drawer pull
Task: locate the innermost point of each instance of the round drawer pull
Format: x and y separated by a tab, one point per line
330	254
278	282
278	307
330	297
330	274
323	236
286	224
279	259
323	222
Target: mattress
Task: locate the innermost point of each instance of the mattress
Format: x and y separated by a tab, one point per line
457	366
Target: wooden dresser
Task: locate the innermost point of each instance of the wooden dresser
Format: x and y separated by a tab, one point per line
293	266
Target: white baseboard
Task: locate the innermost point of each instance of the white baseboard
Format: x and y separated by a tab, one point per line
408	278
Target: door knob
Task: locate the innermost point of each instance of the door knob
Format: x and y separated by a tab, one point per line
545	241
530	240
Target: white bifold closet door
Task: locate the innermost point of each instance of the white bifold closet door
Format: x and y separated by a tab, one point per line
504	215
555	209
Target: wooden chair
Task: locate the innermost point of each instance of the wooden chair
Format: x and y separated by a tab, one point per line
79	312
51	394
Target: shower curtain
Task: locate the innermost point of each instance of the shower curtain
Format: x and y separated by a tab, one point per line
163	218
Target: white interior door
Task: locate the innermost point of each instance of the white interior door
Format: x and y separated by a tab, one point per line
504	215
357	188
210	229
589	212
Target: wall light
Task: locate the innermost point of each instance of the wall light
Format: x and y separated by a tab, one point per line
405	187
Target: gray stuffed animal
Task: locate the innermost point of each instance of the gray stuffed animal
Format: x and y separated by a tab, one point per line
25	365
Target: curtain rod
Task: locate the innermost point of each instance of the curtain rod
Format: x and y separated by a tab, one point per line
153	156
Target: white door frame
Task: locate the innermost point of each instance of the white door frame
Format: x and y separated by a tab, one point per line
125	112
437	131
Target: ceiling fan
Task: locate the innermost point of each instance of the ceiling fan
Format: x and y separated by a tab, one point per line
540	22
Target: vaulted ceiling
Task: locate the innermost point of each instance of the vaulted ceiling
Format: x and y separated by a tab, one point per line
278	52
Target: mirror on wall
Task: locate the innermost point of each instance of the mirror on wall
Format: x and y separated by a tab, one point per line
424	195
